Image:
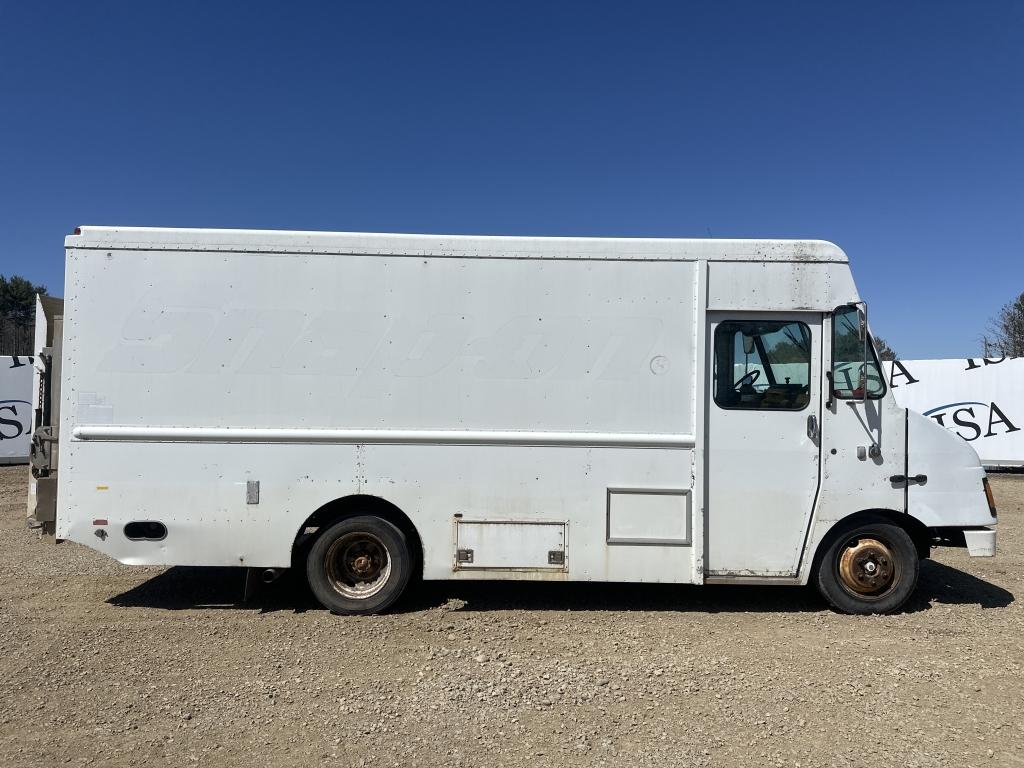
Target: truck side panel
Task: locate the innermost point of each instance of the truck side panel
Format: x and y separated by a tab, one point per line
593	358
369	342
199	492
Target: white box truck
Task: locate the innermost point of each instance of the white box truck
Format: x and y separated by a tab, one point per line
374	408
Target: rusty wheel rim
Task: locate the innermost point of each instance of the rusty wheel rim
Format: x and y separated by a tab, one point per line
868	569
358	565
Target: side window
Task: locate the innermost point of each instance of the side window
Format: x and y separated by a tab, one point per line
762	365
850	371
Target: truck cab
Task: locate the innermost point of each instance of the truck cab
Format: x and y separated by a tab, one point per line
850	490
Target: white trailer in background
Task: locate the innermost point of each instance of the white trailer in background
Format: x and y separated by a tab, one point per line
979	399
373	407
15	409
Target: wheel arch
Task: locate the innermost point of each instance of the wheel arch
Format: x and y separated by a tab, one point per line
351	506
917	531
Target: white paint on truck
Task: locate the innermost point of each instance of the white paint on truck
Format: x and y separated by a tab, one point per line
574	408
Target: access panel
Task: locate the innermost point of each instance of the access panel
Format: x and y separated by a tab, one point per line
510	545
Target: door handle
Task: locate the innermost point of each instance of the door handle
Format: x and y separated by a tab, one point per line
908	480
812	427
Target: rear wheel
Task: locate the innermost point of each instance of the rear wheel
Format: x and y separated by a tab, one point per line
359	565
870	568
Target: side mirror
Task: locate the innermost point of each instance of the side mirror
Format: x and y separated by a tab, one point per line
848	377
748	344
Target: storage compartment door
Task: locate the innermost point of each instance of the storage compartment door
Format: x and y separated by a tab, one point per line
510	545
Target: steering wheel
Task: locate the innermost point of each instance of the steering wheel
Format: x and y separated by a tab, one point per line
753	375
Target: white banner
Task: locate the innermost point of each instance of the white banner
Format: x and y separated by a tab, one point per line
15	409
981	400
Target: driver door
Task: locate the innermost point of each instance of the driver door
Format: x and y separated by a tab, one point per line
763	440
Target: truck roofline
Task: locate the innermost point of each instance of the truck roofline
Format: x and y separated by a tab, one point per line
482	246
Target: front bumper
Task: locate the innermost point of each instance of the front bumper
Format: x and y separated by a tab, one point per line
981	542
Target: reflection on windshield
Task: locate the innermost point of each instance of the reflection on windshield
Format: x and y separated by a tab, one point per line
848	366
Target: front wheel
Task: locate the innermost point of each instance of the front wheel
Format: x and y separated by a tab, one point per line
870	568
359	565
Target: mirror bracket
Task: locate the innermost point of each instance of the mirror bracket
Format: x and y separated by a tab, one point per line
862	321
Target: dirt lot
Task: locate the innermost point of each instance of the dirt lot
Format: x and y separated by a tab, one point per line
110	665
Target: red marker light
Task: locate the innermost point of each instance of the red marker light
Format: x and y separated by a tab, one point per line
99	521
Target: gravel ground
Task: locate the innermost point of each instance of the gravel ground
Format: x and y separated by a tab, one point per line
110	665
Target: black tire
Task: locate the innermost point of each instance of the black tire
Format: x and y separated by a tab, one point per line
871	567
359	565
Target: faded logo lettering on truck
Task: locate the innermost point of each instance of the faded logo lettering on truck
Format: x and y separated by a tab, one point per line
352	344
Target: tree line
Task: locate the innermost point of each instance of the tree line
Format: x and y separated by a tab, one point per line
1005	334
17	315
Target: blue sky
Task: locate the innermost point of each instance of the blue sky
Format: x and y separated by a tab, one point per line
893	129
